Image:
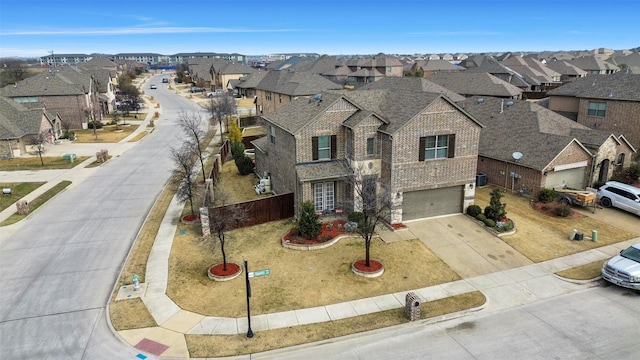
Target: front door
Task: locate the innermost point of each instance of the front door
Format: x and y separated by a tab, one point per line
604	171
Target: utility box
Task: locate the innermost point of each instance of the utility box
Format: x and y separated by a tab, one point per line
412	306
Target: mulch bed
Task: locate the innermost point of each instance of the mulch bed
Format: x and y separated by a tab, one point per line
329	231
218	270
374	266
187	219
549	210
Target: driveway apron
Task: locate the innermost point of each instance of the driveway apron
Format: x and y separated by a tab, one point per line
465	246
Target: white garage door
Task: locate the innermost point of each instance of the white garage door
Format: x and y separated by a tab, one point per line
429	203
573	178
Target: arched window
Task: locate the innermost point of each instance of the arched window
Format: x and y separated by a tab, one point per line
620	162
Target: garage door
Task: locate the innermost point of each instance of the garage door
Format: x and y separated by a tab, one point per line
573	178
435	202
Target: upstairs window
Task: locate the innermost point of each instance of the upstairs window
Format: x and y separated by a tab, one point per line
371	147
267	95
272	134
437	147
324	147
597	108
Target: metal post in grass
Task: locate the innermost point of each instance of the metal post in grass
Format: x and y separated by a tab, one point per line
246	276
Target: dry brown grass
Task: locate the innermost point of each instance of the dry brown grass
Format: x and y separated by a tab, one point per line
540	237
240	187
201	346
139	136
108	134
132	314
298	279
33	163
584	272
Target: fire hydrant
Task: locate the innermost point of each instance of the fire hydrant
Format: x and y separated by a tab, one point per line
136	282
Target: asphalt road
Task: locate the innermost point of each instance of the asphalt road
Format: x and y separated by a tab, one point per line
597	323
59	268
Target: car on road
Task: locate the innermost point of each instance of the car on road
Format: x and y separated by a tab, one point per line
624	269
218	92
153	86
165	80
196	89
620	195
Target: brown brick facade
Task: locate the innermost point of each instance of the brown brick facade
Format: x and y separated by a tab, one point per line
621	117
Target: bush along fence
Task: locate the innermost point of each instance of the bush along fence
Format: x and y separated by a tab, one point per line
210	183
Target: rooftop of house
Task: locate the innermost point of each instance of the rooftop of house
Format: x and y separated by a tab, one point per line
619	86
17	120
299	83
413	84
475	83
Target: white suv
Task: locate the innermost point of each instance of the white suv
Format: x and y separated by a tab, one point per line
622	196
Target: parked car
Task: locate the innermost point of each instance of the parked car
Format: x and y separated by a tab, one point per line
622	196
218	92
624	269
153	86
165	80
128	105
177	80
196	89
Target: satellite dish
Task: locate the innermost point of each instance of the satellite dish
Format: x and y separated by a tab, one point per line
517	155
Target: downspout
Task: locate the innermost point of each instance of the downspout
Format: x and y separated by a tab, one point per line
592	170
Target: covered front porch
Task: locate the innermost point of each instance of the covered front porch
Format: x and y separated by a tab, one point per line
327	185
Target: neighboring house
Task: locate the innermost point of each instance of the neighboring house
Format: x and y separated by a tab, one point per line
364	76
378	64
278	88
602	102
246	86
19	123
323	65
101	63
487	64
556	151
216	73
421	144
430	67
72	92
476	83
594	65
539	76
567	71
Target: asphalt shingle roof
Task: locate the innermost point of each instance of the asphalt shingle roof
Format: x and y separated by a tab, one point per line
413	84
295	83
472	83
618	86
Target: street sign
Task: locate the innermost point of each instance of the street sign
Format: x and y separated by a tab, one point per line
259	273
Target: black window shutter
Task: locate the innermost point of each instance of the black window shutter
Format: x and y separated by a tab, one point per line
314	146
452	146
423	143
334	146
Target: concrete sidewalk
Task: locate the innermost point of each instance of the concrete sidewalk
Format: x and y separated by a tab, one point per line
506	281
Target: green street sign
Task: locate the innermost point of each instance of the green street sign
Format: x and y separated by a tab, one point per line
259	273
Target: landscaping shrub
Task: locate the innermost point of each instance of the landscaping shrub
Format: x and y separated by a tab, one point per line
235	134
627	175
357	217
309	223
244	164
481	217
562	210
237	150
546	195
489	222
474	210
68	135
496	210
97	124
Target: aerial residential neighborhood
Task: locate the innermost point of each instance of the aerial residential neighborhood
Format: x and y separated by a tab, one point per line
319	180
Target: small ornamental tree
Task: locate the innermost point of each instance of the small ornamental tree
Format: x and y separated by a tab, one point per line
235	134
309	223
228	217
184	175
496	210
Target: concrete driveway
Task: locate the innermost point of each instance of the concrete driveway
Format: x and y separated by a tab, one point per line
619	218
465	246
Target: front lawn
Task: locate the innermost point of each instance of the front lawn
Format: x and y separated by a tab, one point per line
33	163
18	190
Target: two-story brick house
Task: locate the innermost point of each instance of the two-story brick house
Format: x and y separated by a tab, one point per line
422	145
602	102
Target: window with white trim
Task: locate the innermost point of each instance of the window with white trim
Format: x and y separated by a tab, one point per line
323	196
272	134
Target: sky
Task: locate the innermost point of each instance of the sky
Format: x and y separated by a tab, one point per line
36	28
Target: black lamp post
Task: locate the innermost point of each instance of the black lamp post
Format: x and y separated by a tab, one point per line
246	276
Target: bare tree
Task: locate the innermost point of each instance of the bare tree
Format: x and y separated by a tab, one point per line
372	204
227	217
196	130
184	178
221	108
38	141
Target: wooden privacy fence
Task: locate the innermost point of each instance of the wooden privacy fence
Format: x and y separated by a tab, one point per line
215	172
261	211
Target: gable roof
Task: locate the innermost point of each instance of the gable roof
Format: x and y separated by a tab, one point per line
531	68
58	82
592	63
437	65
564	68
17	120
538	133
322	65
299	83
618	86
473	83
412	84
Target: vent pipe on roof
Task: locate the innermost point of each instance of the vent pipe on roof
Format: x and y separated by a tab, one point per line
502	106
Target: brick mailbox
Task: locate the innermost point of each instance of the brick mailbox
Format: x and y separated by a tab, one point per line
412	306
